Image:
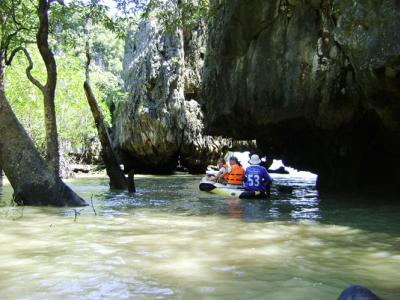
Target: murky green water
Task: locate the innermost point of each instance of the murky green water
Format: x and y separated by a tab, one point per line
171	241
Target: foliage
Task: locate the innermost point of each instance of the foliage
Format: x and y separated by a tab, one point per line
72	25
18	23
68	36
26	99
76	127
173	14
176	14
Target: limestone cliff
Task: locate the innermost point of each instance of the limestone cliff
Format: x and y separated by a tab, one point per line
317	83
161	119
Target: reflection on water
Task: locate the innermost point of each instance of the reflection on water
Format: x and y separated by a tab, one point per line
170	241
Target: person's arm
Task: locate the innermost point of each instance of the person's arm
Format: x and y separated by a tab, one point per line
267	180
267	177
221	174
223	171
218	177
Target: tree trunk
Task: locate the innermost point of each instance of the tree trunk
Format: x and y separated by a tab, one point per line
49	90
114	172
2	90
28	173
131	182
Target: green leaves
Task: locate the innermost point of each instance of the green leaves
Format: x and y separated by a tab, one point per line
74	119
68	34
71	25
174	14
18	23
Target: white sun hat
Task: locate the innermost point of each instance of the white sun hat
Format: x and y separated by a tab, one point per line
255	160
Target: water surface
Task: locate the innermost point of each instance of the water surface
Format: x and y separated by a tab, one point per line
170	241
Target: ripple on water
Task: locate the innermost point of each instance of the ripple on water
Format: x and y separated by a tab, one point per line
172	242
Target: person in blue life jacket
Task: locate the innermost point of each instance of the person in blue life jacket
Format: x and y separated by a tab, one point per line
257	178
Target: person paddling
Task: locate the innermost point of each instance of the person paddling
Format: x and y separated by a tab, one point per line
257	178
236	173
222	175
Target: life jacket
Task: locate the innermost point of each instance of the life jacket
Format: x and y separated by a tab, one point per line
226	176
236	175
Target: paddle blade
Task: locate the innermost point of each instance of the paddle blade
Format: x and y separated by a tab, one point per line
206	187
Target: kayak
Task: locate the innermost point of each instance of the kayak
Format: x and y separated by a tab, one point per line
223	190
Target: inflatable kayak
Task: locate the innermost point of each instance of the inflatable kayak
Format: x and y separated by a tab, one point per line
223	190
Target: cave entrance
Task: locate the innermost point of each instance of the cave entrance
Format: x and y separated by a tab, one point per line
276	167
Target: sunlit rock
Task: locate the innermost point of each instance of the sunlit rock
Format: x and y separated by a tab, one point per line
161	119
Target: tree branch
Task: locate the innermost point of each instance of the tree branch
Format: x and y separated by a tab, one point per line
9	38
28	69
26	42
14	17
88	59
61	2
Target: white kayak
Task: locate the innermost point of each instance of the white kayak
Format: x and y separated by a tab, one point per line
219	189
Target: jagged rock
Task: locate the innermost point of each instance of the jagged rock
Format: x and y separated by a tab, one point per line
66	171
280	170
161	121
317	83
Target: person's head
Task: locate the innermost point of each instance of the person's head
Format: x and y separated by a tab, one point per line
255	160
233	160
221	162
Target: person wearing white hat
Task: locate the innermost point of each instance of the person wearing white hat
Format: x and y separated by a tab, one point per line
256	177
254	160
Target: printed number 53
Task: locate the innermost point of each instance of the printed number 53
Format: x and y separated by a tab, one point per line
254	180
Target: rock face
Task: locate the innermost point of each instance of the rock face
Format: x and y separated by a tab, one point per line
161	120
317	83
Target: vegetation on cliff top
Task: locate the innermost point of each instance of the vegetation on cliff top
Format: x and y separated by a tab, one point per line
43	44
69	32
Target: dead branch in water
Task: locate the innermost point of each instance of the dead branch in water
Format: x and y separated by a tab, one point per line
77	213
91	204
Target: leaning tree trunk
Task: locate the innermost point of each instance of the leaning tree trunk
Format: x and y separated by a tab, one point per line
2	69
28	173
49	90
114	172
